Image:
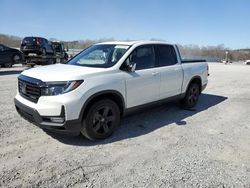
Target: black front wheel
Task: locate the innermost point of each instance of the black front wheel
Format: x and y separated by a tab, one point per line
16	58
192	96
101	120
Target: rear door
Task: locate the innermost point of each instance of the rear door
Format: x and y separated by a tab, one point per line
170	69
143	85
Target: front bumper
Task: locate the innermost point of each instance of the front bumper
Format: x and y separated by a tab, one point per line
72	127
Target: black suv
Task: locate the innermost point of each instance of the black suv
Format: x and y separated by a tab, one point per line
9	56
36	45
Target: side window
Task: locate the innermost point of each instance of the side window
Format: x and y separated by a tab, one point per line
166	55
143	56
43	42
46	42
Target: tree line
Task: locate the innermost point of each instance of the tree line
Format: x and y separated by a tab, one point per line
210	53
215	53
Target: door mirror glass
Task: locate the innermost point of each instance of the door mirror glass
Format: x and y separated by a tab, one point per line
132	67
128	67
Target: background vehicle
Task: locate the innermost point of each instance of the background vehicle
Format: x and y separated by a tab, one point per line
58	55
247	62
36	45
60	52
9	56
93	90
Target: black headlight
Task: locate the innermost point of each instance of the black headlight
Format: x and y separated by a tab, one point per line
57	88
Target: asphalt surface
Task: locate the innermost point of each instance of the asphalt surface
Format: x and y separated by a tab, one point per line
164	146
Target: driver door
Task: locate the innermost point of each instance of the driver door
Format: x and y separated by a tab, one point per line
142	85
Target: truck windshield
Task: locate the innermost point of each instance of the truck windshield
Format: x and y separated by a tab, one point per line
103	56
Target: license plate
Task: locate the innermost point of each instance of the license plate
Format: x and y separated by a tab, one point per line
32	54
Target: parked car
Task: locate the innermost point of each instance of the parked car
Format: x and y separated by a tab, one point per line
9	56
247	62
36	45
92	91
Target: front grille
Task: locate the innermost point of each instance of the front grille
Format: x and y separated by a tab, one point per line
29	90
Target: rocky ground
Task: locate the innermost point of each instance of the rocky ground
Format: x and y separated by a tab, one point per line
162	147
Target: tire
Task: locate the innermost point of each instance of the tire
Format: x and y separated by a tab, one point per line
101	120
8	65
192	96
16	58
51	62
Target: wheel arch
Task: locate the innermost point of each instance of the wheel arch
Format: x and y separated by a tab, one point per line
116	96
195	79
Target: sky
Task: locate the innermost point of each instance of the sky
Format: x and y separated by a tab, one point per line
197	22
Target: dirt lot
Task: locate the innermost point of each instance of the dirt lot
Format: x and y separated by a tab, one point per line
162	147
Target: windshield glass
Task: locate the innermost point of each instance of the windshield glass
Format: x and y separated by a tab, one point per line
100	56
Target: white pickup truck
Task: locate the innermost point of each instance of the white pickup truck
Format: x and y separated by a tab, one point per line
91	92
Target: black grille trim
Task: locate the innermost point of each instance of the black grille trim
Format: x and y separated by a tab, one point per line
29	88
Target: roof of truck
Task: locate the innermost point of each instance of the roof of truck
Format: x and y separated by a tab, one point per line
133	42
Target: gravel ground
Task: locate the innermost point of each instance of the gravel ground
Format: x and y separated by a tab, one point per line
161	147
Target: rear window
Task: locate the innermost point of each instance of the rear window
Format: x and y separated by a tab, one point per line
29	39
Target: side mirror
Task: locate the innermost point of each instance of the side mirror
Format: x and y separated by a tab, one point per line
132	67
128	67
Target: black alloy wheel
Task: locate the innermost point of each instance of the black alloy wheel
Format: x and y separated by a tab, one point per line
101	120
16	58
192	96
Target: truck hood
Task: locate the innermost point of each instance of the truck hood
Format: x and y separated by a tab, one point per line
61	72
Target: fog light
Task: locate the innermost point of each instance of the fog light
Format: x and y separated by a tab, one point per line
57	119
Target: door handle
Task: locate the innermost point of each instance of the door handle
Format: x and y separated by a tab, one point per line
155	73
